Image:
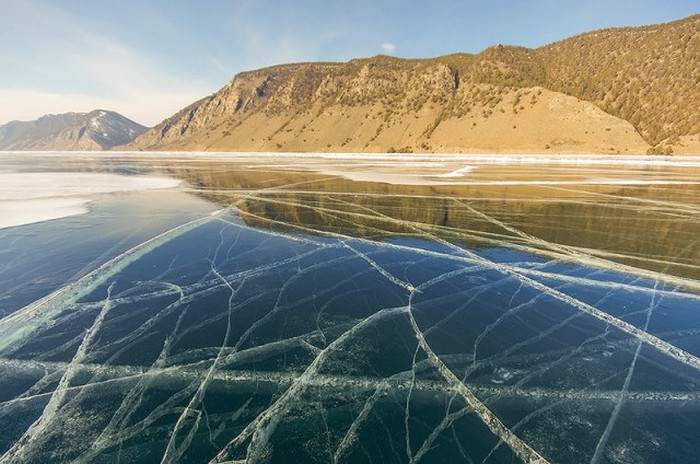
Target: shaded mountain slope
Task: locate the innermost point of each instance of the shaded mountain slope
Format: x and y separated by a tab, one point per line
97	130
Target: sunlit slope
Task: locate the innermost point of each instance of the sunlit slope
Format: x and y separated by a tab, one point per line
621	90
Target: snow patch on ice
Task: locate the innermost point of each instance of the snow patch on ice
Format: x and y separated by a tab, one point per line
461	172
26	198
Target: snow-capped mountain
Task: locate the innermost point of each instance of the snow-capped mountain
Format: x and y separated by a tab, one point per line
97	130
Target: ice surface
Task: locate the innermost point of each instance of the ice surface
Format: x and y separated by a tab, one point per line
314	319
26	198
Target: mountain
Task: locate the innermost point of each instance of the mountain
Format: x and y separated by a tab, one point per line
626	90
97	130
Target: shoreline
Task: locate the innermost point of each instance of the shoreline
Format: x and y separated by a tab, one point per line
553	158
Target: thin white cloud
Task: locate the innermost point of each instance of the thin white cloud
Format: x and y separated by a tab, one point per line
102	71
73	63
388	48
280	37
265	47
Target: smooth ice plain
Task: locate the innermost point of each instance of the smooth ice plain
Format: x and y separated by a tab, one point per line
327	308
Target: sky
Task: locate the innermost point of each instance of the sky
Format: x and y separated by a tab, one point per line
148	59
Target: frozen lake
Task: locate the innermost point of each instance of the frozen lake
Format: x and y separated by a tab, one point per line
316	308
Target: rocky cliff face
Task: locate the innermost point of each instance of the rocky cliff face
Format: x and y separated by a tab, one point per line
97	130
621	90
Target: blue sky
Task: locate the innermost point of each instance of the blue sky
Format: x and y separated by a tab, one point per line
147	59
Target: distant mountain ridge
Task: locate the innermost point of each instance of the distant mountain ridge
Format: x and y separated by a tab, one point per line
97	130
627	90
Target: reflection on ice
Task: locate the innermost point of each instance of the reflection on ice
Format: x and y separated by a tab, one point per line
302	324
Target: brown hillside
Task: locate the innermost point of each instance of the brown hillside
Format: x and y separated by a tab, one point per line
649	76
618	90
